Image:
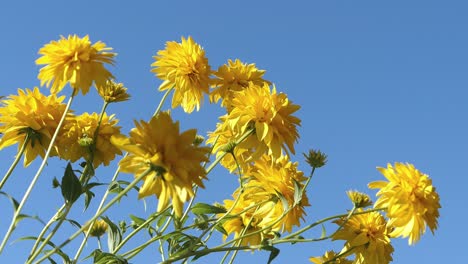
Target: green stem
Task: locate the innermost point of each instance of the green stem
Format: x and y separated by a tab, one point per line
44	230
52	233
98	214
300	231
136	230
161	103
15	162
35	178
132	253
101	204
208	251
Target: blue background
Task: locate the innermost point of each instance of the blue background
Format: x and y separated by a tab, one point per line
378	82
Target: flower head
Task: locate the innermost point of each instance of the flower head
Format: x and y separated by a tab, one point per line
267	200
74	60
78	139
33	116
233	77
316	158
184	67
99	228
328	256
269	113
159	143
367	237
113	92
411	200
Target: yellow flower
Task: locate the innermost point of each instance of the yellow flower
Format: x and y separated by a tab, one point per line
77	139
184	67
233	77
411	200
268	185
269	113
99	228
246	224
113	92
367	237
30	114
159	143
74	60
330	255
271	178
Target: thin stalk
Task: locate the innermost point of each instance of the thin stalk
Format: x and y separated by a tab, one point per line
97	215
302	230
161	103
44	230
52	233
35	178
15	162
208	251
101	204
136	230
133	252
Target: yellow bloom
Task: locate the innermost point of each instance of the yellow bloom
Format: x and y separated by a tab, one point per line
330	255
265	182
367	236
30	114
411	200
77	139
232	77
99	228
184	67
159	143
113	92
269	113
74	60
244	224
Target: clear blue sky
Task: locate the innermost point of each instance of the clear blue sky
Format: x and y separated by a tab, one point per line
378	82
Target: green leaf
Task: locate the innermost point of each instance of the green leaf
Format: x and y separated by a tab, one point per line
221	229
51	260
25	216
136	221
203	208
88	197
100	257
71	186
274	252
12	200
297	192
324	232
65	257
162	219
114	235
283	200
55	183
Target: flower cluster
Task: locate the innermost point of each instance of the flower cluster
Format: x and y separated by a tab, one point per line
255	139
408	200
